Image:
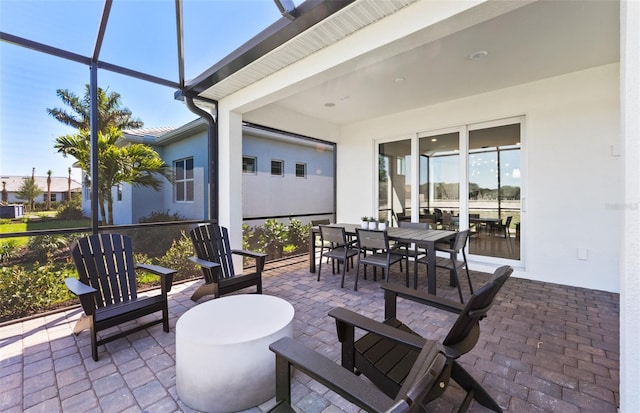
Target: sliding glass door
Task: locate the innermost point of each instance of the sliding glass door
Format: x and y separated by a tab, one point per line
439	179
465	177
394	181
494	182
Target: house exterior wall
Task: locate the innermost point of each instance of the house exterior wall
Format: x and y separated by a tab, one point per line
570	175
267	195
195	146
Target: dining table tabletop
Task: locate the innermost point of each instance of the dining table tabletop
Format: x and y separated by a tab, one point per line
423	238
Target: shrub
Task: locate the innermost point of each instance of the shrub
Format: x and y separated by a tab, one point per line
177	258
26	291
69	211
298	235
46	246
8	249
273	238
161	216
155	241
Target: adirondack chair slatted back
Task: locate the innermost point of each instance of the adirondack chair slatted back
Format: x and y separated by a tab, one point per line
211	243
464	333
105	262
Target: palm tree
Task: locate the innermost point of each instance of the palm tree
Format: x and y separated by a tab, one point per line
110	112
135	164
5	193
49	172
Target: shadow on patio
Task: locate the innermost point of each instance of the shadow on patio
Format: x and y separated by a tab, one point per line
543	347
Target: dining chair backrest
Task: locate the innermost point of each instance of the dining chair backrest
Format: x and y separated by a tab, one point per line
334	235
414	225
461	240
507	224
372	239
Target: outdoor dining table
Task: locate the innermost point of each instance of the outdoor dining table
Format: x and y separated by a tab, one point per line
425	238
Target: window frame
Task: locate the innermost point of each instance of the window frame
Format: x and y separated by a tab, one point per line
184	180
255	165
281	163
304	169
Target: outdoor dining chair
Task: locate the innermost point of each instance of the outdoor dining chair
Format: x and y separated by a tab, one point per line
335	247
411	251
375	251
451	262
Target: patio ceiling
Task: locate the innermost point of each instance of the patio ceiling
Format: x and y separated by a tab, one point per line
525	41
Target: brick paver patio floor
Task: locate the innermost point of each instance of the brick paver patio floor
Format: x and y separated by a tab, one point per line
543	348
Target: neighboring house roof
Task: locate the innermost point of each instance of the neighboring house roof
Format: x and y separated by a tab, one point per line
146	135
166	136
58	183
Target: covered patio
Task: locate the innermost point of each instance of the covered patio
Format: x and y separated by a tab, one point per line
563	334
543	347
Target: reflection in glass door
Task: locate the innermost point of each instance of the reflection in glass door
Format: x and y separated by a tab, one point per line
494	191
439	188
394	181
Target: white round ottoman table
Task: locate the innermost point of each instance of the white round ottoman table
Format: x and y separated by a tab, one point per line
223	361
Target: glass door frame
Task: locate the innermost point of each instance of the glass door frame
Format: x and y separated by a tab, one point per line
463	131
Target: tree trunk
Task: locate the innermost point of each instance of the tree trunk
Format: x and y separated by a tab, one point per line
102	211
48	193
110	208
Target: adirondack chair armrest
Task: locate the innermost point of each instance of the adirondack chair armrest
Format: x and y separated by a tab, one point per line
156	269
347	320
259	257
84	293
393	291
204	263
166	275
208	265
292	353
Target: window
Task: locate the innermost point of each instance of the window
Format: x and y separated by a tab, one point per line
277	168
249	165
301	170
53	197
184	180
119	192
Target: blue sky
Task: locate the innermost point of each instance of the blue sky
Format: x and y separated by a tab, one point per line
140	36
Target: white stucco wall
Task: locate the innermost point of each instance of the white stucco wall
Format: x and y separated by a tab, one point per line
572	180
630	244
295	195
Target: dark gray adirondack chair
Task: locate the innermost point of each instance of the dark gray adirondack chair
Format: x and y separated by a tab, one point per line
107	287
387	352
214	256
428	366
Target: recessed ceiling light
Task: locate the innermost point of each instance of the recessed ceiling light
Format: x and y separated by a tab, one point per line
479	55
329	104
434	139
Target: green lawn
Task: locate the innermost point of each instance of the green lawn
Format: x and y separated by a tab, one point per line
39	225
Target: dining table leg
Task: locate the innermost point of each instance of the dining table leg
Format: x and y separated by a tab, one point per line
312	251
431	268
